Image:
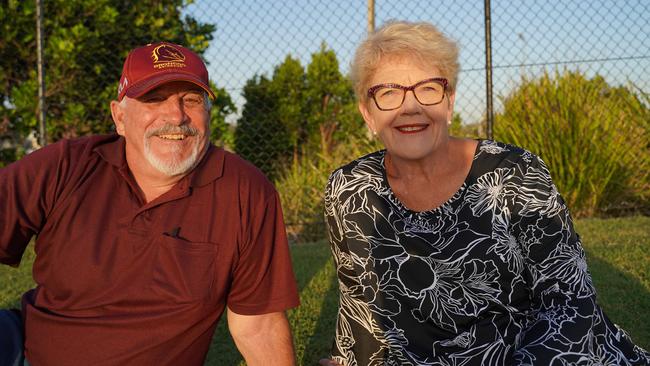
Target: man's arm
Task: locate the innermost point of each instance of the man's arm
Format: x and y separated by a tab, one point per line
28	189
261	338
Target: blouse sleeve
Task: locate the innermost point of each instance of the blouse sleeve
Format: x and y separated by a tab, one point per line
354	341
565	325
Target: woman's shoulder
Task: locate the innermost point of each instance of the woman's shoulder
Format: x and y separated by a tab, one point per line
371	163
500	148
357	176
495	154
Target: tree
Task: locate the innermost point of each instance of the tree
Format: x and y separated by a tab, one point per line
297	113
86	42
332	114
260	137
221	132
288	88
272	125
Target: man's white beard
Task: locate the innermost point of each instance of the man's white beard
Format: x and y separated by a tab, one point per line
174	166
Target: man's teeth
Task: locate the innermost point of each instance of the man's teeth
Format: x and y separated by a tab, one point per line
172	137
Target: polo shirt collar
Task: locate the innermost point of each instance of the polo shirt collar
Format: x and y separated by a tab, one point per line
209	169
113	152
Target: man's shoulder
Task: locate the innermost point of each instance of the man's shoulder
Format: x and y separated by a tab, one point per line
83	145
238	165
223	165
72	150
90	141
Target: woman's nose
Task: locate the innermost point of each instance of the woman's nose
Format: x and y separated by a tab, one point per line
410	102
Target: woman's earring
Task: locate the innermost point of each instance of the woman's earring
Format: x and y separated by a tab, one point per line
449	123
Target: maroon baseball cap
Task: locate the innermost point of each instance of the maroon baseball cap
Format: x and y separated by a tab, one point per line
150	66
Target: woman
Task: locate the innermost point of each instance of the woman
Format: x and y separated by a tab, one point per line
452	251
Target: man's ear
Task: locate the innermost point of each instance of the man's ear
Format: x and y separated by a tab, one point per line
117	113
370	122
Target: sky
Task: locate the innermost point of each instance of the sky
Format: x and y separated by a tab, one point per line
610	38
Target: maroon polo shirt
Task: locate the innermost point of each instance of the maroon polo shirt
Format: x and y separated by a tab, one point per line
124	282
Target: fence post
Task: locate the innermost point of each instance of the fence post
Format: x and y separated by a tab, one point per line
488	70
41	75
371	16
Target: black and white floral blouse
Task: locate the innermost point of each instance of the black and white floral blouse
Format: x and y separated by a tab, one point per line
494	276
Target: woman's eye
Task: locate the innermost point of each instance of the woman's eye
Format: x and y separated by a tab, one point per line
386	92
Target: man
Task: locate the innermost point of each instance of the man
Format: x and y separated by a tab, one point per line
144	237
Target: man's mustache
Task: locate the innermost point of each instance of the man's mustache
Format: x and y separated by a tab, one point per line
169	128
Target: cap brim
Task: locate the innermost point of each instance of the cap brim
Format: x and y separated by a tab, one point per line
143	86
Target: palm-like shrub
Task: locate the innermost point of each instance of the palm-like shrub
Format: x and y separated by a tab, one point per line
595	138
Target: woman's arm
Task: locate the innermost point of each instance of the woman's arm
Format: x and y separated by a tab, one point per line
565	323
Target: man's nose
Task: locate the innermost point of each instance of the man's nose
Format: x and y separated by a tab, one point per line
174	111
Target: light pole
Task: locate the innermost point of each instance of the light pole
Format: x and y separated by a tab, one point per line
42	138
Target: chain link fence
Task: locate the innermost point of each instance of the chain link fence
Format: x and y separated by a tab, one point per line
281	66
610	38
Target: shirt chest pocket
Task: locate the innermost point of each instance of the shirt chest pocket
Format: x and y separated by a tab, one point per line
184	271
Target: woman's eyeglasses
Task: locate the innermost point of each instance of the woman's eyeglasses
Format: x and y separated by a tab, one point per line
388	97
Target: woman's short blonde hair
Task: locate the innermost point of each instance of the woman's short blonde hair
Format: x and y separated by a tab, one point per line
420	41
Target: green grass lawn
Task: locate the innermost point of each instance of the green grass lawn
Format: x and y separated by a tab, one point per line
618	252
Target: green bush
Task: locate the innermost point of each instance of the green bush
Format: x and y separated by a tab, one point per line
594	138
302	186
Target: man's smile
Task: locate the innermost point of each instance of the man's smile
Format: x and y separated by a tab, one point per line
172	136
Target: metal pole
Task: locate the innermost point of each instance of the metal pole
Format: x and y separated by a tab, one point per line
371	16
42	138
488	70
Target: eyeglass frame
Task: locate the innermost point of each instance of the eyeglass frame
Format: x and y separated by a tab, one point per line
374	88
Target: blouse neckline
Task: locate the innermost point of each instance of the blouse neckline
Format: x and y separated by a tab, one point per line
393	197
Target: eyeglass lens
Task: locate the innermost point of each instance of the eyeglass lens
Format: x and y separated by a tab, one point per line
427	93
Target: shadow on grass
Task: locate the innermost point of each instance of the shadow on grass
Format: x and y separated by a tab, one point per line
319	343
623	298
308	260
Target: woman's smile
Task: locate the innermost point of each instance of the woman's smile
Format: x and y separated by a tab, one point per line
409	129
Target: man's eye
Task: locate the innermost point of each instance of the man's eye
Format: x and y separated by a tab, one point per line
154	99
192	100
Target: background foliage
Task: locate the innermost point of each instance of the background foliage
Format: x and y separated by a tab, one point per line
86	44
297	119
594	137
297	112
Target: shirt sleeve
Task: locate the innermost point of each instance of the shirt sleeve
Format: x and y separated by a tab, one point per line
565	324
263	279
27	192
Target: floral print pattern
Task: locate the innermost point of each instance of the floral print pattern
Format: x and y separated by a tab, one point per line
494	276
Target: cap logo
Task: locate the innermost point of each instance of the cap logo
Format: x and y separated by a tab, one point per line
166	55
122	85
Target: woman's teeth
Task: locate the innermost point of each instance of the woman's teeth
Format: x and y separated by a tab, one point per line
411	128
